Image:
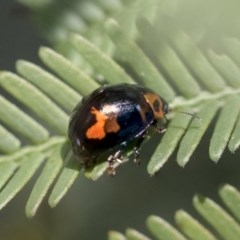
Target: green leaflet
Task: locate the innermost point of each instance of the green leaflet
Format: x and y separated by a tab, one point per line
46	178
222	222
113	235
188	227
163	230
132	234
25	171
169	58
35	100
191	227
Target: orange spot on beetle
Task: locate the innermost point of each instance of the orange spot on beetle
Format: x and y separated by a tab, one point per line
104	124
96	131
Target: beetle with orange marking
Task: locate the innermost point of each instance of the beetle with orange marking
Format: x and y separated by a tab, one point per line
113	120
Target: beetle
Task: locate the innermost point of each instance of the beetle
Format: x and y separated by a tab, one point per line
113	120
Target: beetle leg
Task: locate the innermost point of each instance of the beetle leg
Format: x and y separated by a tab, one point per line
160	129
113	161
136	155
137	148
111	171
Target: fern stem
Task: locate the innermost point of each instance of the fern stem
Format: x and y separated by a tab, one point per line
204	96
37	148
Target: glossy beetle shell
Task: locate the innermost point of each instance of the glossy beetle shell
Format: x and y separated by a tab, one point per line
111	119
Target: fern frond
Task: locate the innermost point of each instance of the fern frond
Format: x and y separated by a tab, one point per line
34	124
113	235
57	19
132	234
223	223
45	180
25	171
68	175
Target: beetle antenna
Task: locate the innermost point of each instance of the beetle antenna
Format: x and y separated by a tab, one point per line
187	113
